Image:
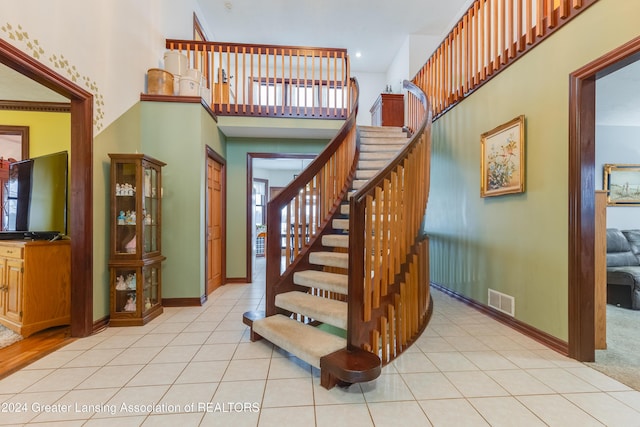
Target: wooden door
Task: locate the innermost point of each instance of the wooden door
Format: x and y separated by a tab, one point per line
214	225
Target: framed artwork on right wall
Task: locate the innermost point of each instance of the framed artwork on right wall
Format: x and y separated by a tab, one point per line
622	183
502	165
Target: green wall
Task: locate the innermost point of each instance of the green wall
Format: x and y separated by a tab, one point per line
177	134
237	149
517	244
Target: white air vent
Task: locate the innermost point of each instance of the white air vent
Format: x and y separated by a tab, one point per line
502	302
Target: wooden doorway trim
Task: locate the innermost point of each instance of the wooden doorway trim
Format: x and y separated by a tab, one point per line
212	155
582	94
81	181
249	204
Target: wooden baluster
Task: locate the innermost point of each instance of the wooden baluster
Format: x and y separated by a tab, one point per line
490	38
304	218
503	40
268	83
511	38
540	15
235	74
391	310
399	330
551	15
564	8
275	83
577	4
243	78
475	45
384	331
529	21
298	83
367	258
468	52
296	225
252	95
385	236
375	341
377	253
289	238
285	84
461	40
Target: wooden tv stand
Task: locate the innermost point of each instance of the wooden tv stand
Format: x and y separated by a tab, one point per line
35	285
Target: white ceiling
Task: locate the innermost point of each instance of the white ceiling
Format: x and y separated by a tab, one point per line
376	28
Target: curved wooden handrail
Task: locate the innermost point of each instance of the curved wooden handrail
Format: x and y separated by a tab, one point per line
389	300
318	190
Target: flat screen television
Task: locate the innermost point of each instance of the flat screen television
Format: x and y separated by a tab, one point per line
36	197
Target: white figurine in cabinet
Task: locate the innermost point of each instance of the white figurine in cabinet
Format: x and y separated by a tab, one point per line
131	303
121	285
131	281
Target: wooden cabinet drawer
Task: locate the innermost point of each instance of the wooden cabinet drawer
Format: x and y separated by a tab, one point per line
11	252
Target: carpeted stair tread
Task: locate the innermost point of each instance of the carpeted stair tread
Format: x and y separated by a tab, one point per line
332	282
366	174
304	341
377	155
387	146
376	165
358	183
340	224
318	308
336	240
366	131
330	259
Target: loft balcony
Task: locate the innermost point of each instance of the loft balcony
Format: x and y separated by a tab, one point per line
251	80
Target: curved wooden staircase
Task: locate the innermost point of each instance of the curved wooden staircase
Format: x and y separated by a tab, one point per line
318	301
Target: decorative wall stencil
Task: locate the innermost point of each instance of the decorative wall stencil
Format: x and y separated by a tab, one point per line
59	62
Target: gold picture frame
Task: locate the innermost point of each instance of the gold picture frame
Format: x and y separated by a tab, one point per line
503	154
622	183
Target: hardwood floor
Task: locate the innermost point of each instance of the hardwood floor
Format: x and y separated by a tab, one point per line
22	353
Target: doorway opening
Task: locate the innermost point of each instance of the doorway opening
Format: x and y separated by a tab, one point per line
582	176
267	173
81	181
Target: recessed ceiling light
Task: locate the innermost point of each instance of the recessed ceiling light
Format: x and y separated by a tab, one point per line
358	54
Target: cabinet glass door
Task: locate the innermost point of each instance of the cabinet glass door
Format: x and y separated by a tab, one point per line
126	215
150	209
125	286
150	290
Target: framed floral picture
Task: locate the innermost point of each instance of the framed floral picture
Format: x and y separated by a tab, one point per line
622	183
502	165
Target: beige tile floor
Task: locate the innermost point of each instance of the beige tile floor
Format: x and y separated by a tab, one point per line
196	366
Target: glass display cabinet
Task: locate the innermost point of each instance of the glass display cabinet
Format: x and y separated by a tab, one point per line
135	254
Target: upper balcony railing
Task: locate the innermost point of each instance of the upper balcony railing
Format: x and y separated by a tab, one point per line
491	35
270	81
